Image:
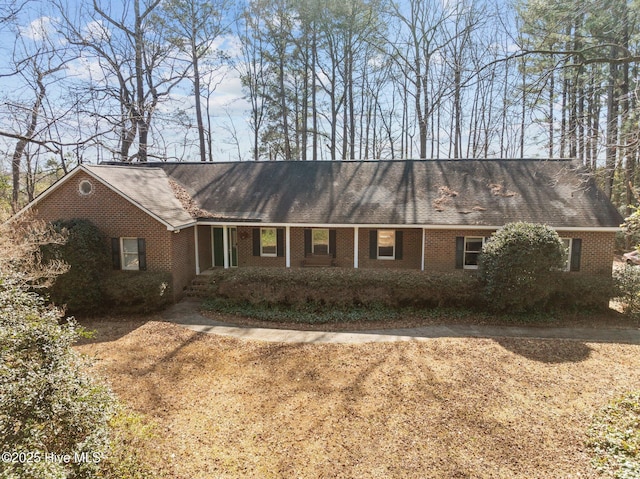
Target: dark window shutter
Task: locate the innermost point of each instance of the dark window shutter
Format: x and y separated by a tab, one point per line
332	242
576	252
256	241
399	244
373	244
459	252
280	241
307	242
115	253
142	254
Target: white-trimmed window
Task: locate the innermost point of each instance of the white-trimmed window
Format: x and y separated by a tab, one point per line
320	241
386	244
268	242
472	249
129	254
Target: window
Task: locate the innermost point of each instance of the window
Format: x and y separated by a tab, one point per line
468	249
85	187
129	254
320	241
268	242
386	244
472	249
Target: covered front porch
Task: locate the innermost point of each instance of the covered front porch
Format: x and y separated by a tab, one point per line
290	246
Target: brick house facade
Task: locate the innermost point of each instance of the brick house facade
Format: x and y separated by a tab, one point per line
418	215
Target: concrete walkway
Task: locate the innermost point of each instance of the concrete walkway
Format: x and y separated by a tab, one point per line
186	313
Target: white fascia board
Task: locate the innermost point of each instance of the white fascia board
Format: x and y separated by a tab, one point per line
258	224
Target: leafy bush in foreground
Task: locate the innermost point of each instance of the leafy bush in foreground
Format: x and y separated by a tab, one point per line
48	404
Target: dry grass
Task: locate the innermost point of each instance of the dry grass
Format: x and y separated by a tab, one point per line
444	408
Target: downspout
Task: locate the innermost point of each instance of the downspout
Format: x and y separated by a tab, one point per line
355	247
287	241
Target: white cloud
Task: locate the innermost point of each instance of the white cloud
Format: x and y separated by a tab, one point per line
38	29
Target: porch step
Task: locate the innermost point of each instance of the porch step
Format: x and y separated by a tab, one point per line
198	288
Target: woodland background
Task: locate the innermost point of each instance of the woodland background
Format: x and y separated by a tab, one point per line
193	80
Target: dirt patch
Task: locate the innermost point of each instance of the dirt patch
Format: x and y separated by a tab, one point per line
443	408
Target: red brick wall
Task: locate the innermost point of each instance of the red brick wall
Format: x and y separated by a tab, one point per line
184	259
205	255
440	248
411	251
344	247
116	217
596	257
245	251
597	251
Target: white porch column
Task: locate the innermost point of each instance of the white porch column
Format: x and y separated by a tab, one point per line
423	251
356	234
195	235
287	246
225	246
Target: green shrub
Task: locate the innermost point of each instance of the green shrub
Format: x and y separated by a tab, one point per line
137	292
86	254
48	404
344	288
614	438
627	288
516	266
580	292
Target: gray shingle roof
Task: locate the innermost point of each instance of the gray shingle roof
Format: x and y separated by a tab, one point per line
413	192
147	187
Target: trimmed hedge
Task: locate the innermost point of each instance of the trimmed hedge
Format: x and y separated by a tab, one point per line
580	292
343	288
274	291
137	292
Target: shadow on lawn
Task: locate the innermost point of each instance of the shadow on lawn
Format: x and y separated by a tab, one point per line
546	351
105	330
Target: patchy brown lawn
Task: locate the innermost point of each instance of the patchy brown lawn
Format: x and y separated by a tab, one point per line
443	408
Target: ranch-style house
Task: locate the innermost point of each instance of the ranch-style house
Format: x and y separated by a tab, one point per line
430	215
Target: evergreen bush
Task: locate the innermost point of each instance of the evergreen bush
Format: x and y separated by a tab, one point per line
137	292
517	266
86	253
53	416
627	288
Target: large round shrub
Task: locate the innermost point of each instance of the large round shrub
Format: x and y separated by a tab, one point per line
86	253
517	266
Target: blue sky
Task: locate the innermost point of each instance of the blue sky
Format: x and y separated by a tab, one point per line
228	106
